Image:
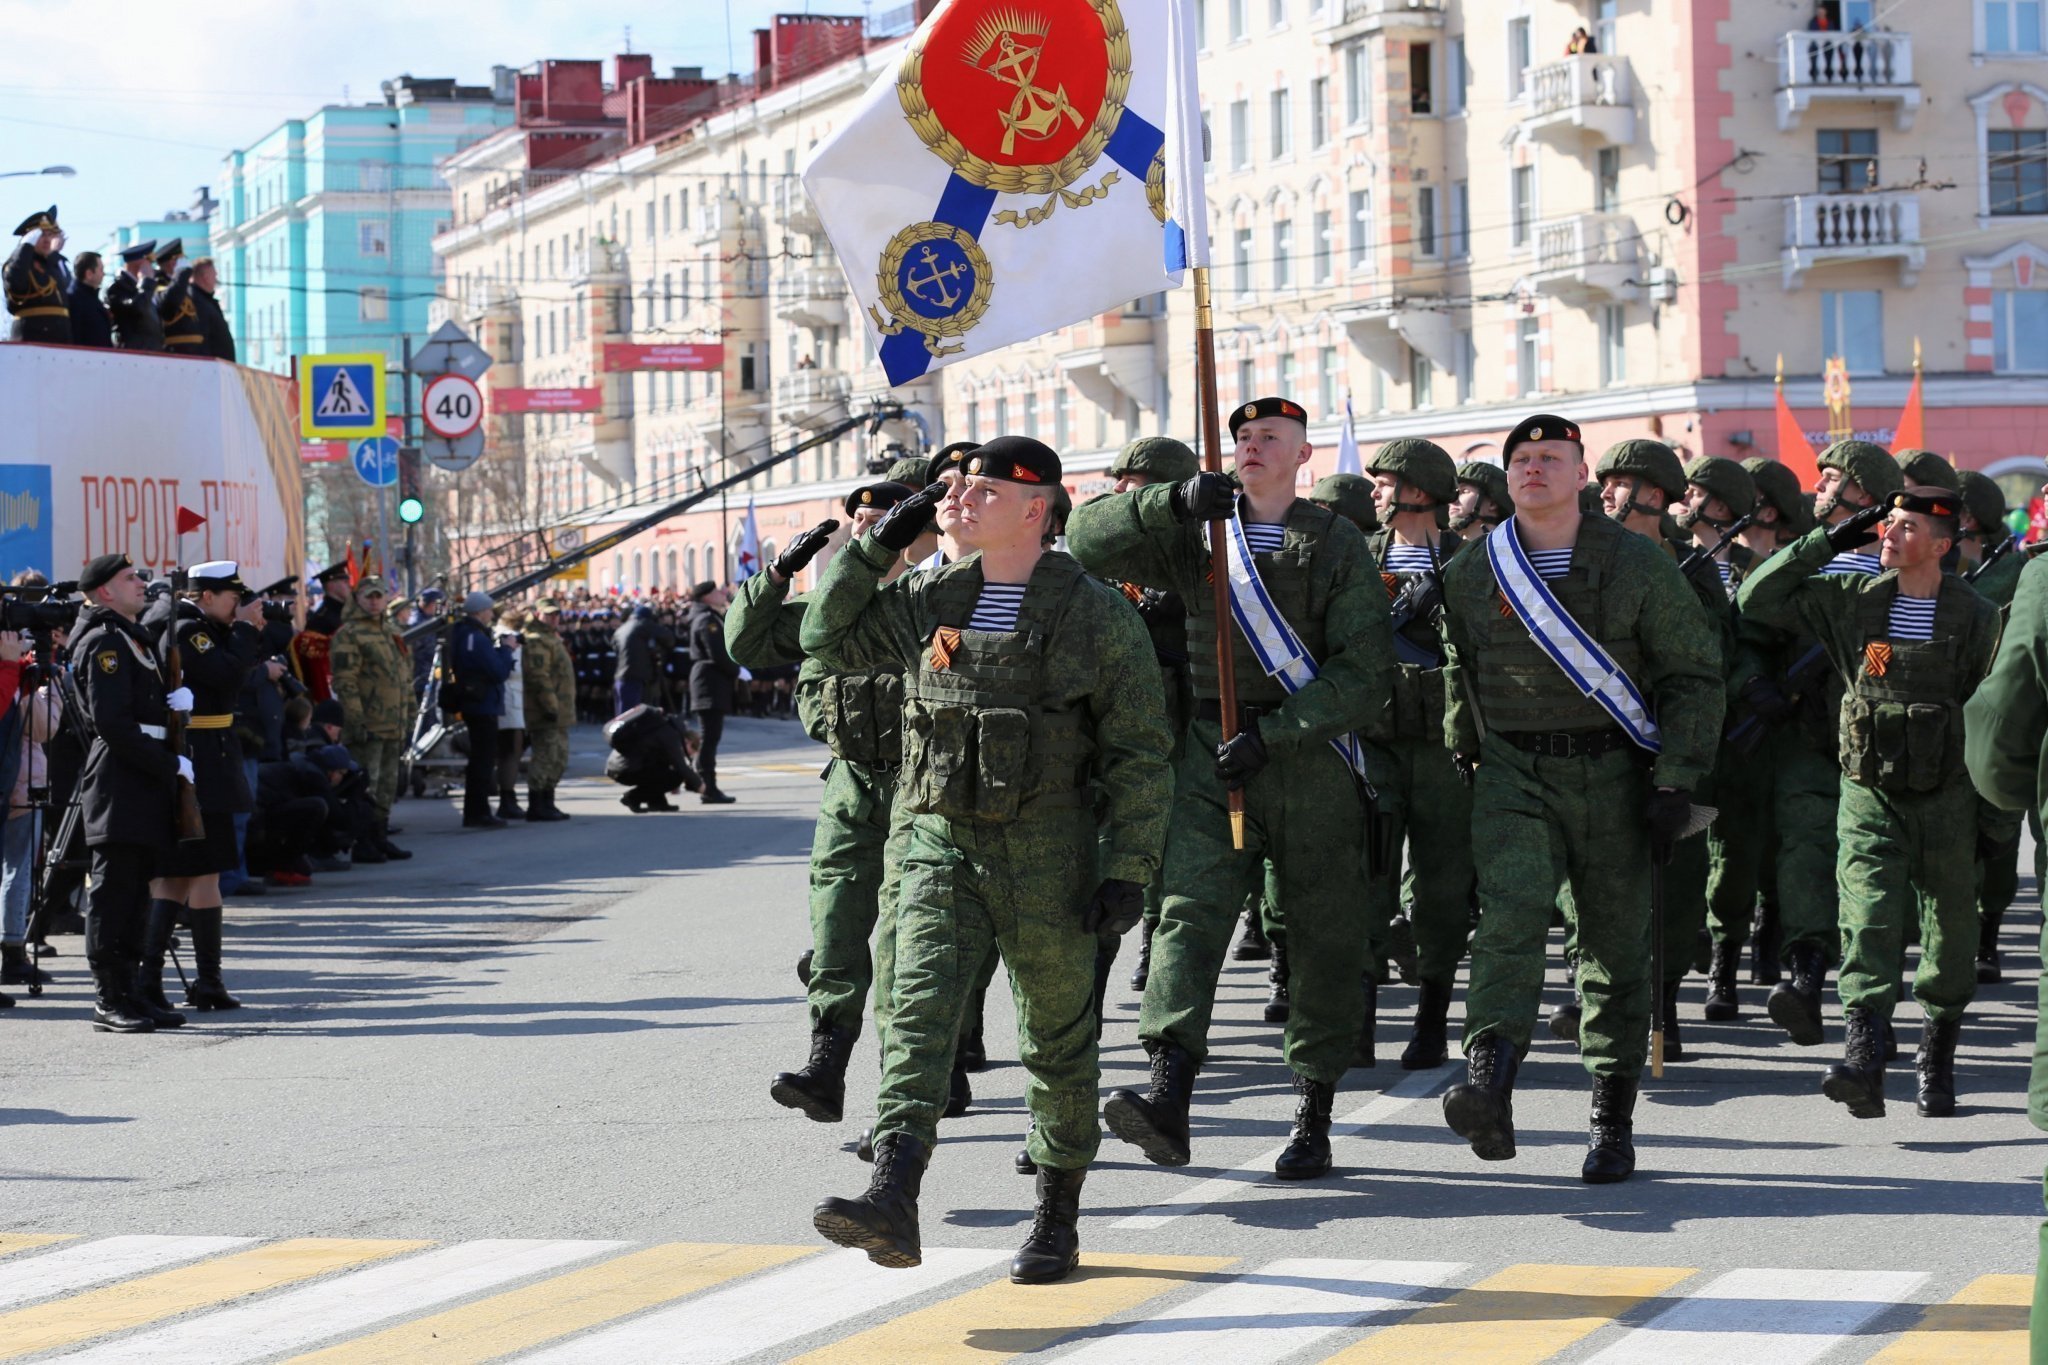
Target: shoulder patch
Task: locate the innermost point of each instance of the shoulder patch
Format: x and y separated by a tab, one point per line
201	641
109	660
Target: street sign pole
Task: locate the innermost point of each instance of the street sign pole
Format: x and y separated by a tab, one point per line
405	438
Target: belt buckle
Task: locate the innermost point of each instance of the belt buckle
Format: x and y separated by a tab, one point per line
1559	745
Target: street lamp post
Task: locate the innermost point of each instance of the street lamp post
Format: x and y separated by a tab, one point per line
47	170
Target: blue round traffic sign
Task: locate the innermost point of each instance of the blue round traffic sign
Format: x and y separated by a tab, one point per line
376	461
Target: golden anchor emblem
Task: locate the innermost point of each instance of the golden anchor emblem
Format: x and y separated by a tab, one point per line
935	278
1017	45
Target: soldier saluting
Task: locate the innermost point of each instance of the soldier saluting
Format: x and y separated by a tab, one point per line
131	298
35	281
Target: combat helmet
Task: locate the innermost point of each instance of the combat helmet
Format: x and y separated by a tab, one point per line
1871	466
1423	464
1651	461
1927	468
1159	458
1726	480
1350	497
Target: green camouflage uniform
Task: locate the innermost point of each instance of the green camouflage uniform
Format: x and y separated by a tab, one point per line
1575	822
1006	737
1906	807
1998	831
549	677
1303	810
372	678
1688	875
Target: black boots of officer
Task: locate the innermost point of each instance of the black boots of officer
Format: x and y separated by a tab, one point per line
1252	945
1674	1042
1053	1249
1307	1154
1142	973
1365	1052
1431	1044
148	998
882	1222
1795	1001
508	804
114	1009
1156	1122
1482	1110
1611	1149
1989	972
1857	1081
541	807
1279	1005
819	1088
206	991
1766	943
1722	1005
1564	1020
1936	1064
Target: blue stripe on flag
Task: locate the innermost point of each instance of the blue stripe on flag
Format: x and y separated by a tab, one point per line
1134	144
1176	246
962	205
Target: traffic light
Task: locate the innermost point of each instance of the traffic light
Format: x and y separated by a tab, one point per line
410	506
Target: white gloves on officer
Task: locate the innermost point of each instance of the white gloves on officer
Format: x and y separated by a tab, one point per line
180	699
185	768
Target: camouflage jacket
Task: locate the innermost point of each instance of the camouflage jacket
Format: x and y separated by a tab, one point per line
372	675
549	677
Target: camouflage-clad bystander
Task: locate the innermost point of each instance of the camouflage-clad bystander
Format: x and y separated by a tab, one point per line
372	678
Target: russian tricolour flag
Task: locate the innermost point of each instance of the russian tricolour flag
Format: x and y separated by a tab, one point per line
1019	169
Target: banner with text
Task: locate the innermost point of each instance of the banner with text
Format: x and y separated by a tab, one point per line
626	355
546	400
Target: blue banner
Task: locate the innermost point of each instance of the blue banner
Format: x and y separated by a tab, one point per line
26	540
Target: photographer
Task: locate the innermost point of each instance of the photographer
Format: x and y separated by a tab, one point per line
259	720
480	667
299	813
651	755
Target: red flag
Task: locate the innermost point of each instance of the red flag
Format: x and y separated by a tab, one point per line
1795	452
354	573
189	520
1912	432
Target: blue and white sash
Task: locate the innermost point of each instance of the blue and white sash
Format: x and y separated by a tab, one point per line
1278	649
1591	669
935	560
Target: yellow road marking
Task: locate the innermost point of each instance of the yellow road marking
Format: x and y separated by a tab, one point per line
1003	1319
151	1298
1526	1313
1984	1324
522	1319
11	1242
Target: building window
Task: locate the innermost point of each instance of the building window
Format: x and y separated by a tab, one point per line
1031	415
750	367
1240	134
2012	26
1061	417
1528	358
1319	112
1241	258
1521	205
1283	254
1613	346
1239	22
1461	219
1847	159
1003	417
373	304
2017	170
1421	82
1283	127
1201	25
1321	246
1276	13
974	420
1607	181
1852	327
1361	230
1330	373
1606	11
1425	220
1421	380
1357	86
1285	387
1455	75
1247	376
1520	54
373	237
1468	364
2019	331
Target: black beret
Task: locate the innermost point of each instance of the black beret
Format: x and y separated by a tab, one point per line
1542	427
1929	500
880	496
950	457
1014	459
42	220
703	590
1267	407
102	571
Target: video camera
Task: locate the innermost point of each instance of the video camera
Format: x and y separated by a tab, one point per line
30	608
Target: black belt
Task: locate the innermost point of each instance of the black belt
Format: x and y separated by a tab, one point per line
1211	710
1566	743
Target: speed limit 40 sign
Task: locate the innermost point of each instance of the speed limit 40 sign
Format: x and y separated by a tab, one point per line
453	407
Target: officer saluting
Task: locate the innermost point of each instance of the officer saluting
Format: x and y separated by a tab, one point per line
131	298
35	281
128	787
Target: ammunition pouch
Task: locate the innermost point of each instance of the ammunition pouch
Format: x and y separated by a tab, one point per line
862	717
985	764
1900	746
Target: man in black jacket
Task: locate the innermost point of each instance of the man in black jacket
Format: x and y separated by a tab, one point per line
480	665
131	299
90	325
712	674
642	644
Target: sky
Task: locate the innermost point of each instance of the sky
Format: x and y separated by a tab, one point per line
145	116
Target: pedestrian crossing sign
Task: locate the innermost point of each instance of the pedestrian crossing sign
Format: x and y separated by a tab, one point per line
341	396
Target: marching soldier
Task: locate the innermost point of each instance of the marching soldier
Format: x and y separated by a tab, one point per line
549	677
1319	605
1718	494
1582	685
371	674
1483	501
1926	467
1991	563
1349	496
35	281
1030	693
131	298
1913	644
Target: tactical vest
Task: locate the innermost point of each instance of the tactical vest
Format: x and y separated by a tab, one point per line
1416	709
859	715
978	741
1518	686
1902	712
1301	594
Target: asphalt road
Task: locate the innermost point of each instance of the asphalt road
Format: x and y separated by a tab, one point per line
564	1035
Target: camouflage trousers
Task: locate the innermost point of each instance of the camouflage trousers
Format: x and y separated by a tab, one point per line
846	890
1804	802
1021	886
1737	843
1998	858
379	760
1563	823
884	942
548	757
1900	858
1687	878
1432	812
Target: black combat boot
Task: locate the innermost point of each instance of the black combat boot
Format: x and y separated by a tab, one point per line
864	1150
1482	1110
973	1053
1766	944
1564	1020
1365	1053
1156	1122
1989	972
1611	1155
712	796
366	851
1936	1064
18	969
1278	1004
1431	1044
959	1094
1022	1163
1142	973
112	1011
1053	1249
1252	945
1722	1005
540	806
882	1222
206	991
1401	950
148	996
803	968
819	1088
1858	1079
391	851
508	804
1308	1150
1795	1001
1674	1043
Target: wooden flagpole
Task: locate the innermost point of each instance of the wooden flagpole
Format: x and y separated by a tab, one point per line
1210	435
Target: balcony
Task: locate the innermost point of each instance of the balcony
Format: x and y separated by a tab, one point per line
1111	359
812	398
1825	229
794	209
1867	67
1586	257
812	297
1383	329
1590	96
1343	20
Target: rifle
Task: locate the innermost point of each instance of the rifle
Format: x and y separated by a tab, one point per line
1421	599
191	825
2004	548
1703	556
1747	732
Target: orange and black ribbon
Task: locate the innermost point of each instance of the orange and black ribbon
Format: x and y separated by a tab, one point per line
944	641
1392	583
1877	657
1507	608
1134	592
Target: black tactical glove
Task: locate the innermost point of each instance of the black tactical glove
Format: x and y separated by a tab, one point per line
1206	497
1766	699
1240	759
1467	766
1667	816
902	524
1115	908
1858	530
803	549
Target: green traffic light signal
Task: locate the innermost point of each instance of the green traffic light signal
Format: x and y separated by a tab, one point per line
411	510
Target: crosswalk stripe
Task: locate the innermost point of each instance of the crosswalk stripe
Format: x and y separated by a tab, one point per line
102	1261
817	1293
522	1319
1525	1314
1985	1323
1787	1317
1003	1319
1270	1313
133	1303
11	1242
344	1304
